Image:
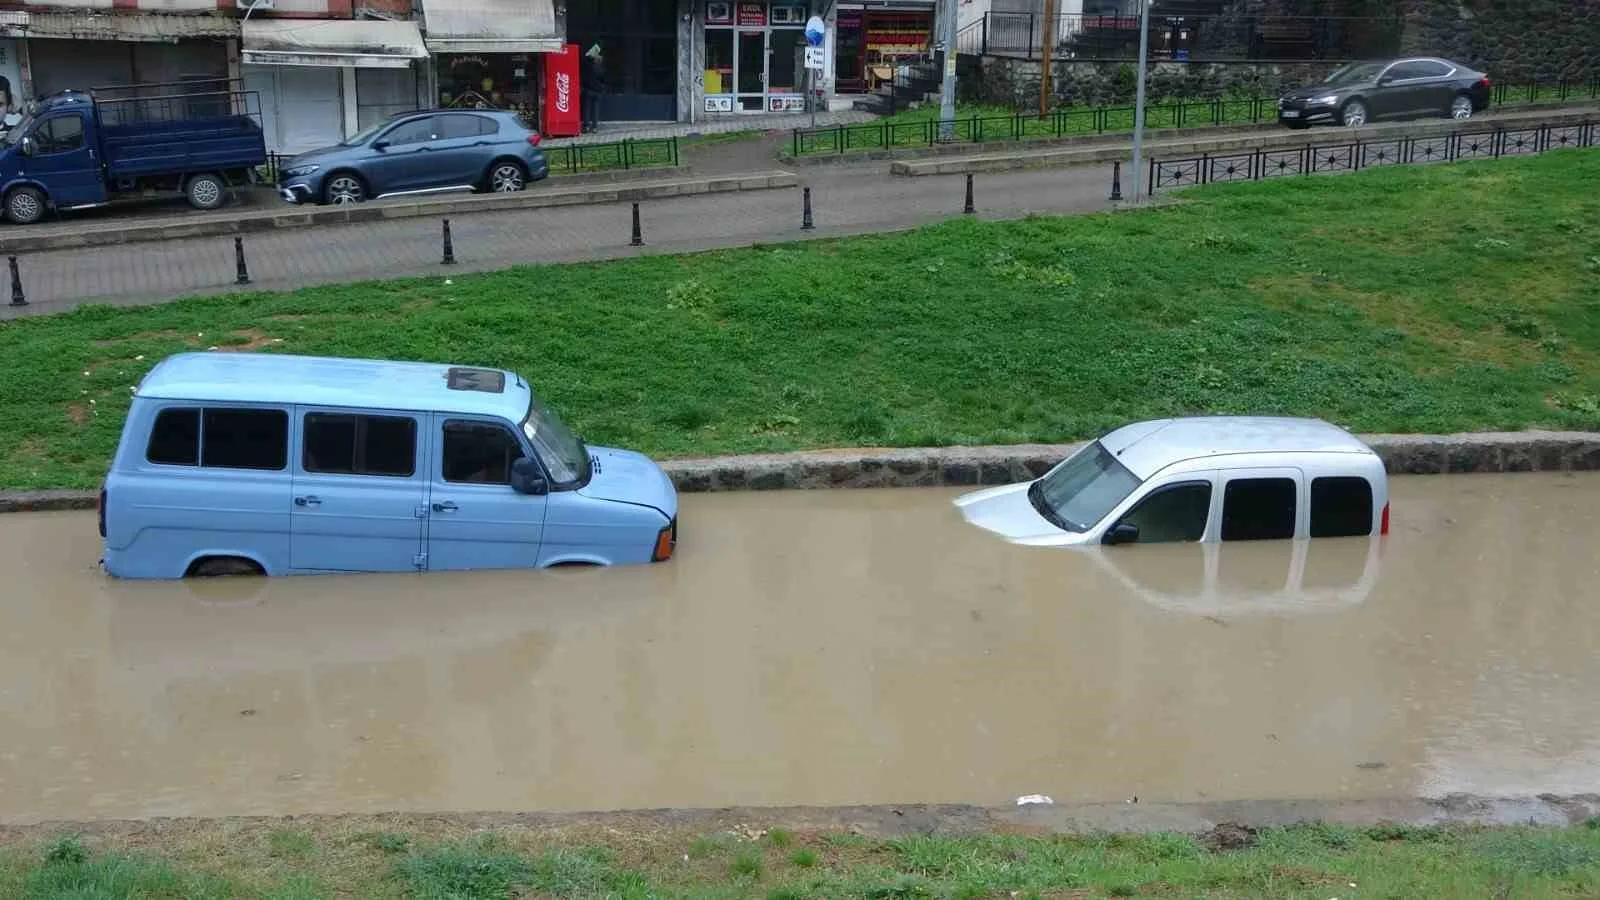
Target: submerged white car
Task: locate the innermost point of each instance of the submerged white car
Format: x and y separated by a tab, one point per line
1202	478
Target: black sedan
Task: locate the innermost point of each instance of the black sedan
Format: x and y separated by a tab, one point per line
1363	92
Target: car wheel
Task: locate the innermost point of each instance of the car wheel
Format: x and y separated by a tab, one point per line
25	205
206	191
1461	107
343	189
1354	114
506	177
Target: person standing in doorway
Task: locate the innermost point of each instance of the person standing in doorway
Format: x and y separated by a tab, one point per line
592	85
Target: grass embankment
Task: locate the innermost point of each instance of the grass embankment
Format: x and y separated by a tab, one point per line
1404	299
225	861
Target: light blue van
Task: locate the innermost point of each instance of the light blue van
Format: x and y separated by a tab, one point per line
262	463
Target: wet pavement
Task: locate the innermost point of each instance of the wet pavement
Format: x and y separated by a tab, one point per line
824	648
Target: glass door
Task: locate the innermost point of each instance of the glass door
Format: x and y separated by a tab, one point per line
750	70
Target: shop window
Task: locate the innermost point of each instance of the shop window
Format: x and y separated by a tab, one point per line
719	61
785	63
1258	509
1341	507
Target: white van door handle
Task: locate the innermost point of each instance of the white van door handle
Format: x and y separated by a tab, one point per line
308	500
446	506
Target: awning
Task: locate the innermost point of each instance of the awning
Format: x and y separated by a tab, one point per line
357	43
138	27
491	26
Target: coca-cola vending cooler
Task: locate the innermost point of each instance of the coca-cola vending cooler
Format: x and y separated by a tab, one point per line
561	116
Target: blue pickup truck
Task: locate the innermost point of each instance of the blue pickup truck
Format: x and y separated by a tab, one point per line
78	149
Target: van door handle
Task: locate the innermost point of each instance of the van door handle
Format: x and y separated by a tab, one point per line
446	506
308	500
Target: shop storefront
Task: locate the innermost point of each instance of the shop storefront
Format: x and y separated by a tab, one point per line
870	42
640	43
754	54
79	51
488	54
322	80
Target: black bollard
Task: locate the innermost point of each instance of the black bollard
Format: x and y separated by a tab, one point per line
805	216
17	299
449	247
638	233
1116	180
969	209
238	262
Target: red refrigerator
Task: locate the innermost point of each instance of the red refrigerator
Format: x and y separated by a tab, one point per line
561	117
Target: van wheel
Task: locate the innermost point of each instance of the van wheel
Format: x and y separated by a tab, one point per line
206	191
25	205
223	566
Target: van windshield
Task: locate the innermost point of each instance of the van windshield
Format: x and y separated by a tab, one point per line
1083	490
563	453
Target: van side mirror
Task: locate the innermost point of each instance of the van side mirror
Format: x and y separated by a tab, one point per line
526	477
27	146
1122	533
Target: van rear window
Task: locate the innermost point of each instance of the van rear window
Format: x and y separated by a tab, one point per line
220	438
1341	506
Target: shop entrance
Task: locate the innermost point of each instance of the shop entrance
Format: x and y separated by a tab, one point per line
750	70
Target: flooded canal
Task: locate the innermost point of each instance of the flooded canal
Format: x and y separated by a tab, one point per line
824	648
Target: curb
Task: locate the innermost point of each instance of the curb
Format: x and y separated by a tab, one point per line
1278	140
1402	454
290	217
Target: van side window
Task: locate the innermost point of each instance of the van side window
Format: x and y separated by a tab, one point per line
479	453
175	438
339	444
1258	509
1341	507
245	439
1175	513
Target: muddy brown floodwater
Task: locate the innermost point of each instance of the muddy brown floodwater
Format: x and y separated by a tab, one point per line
824	648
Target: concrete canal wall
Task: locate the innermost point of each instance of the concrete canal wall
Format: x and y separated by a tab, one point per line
1517	451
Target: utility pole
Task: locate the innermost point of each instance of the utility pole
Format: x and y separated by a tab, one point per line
1137	172
1047	46
948	11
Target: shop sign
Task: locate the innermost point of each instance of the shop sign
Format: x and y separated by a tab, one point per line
752	15
719	13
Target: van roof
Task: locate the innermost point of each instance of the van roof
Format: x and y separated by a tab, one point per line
1148	447
223	377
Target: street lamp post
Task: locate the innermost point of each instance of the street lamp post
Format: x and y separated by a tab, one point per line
1137	172
948	12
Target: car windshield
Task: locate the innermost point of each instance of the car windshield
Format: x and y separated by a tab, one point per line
562	452
1083	490
365	134
1354	73
16	131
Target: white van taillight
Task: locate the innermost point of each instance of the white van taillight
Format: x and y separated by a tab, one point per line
1384	528
100	510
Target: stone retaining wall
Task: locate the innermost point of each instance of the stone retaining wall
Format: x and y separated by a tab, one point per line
1518	451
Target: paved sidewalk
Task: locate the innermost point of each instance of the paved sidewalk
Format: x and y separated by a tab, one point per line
843	203
616	131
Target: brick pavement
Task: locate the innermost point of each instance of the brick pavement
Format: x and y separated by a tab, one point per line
843	203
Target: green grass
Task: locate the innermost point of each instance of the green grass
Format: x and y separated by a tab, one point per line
1315	861
1416	299
975	123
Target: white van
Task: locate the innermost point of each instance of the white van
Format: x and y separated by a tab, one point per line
1202	478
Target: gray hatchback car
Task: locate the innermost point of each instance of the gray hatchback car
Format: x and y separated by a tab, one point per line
419	152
